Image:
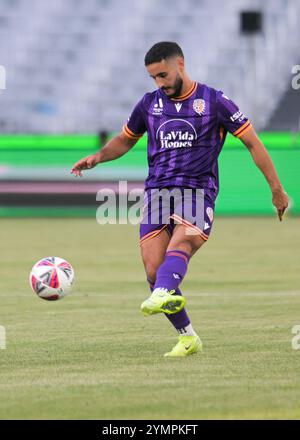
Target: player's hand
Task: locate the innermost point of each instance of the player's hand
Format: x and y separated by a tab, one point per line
85	164
280	201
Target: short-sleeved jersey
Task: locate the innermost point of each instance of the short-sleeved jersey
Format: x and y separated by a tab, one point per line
185	135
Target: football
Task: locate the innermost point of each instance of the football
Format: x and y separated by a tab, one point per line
51	278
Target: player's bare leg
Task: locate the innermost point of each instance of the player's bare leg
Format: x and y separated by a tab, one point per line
162	300
182	245
153	253
185	239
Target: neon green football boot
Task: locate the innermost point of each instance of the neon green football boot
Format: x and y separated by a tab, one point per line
185	346
163	301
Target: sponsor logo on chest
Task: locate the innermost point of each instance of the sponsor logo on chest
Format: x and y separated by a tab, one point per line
176	133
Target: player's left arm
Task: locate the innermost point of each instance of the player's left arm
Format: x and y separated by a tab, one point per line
264	162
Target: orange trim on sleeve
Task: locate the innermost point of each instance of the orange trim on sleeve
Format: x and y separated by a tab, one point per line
241	128
130	133
241	133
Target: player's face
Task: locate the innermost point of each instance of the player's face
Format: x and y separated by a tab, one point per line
168	76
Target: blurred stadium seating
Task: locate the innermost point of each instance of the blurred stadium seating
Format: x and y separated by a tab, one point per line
74	68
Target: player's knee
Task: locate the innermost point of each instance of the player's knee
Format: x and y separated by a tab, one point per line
151	270
192	243
196	244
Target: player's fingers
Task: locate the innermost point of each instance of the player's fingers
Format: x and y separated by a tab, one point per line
280	213
76	167
80	165
76	172
283	210
83	164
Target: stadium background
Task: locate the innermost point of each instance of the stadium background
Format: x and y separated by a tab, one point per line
74	69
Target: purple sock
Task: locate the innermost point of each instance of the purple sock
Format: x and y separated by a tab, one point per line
178	320
173	269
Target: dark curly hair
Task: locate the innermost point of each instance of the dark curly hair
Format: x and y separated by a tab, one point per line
161	51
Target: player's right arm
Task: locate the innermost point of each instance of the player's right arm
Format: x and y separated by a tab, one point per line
118	145
115	148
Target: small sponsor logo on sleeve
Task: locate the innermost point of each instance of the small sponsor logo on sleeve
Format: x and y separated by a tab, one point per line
237	116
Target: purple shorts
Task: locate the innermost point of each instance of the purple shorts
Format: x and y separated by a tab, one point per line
164	208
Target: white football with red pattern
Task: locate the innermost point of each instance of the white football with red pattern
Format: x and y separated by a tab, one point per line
52	278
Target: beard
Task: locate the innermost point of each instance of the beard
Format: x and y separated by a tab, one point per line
177	88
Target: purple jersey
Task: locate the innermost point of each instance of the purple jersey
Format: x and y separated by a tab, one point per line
185	135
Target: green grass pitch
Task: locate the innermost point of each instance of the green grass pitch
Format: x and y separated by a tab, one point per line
93	354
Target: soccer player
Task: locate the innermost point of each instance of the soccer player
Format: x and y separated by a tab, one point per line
186	123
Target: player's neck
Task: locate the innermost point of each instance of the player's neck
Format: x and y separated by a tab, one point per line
186	85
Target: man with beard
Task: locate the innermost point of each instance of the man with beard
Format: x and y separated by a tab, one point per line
187	123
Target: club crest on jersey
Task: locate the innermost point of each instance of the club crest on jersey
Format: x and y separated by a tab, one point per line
199	106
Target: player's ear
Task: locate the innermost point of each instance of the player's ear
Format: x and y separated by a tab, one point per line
180	63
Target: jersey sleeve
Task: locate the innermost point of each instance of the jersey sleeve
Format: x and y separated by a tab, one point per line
231	117
135	126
